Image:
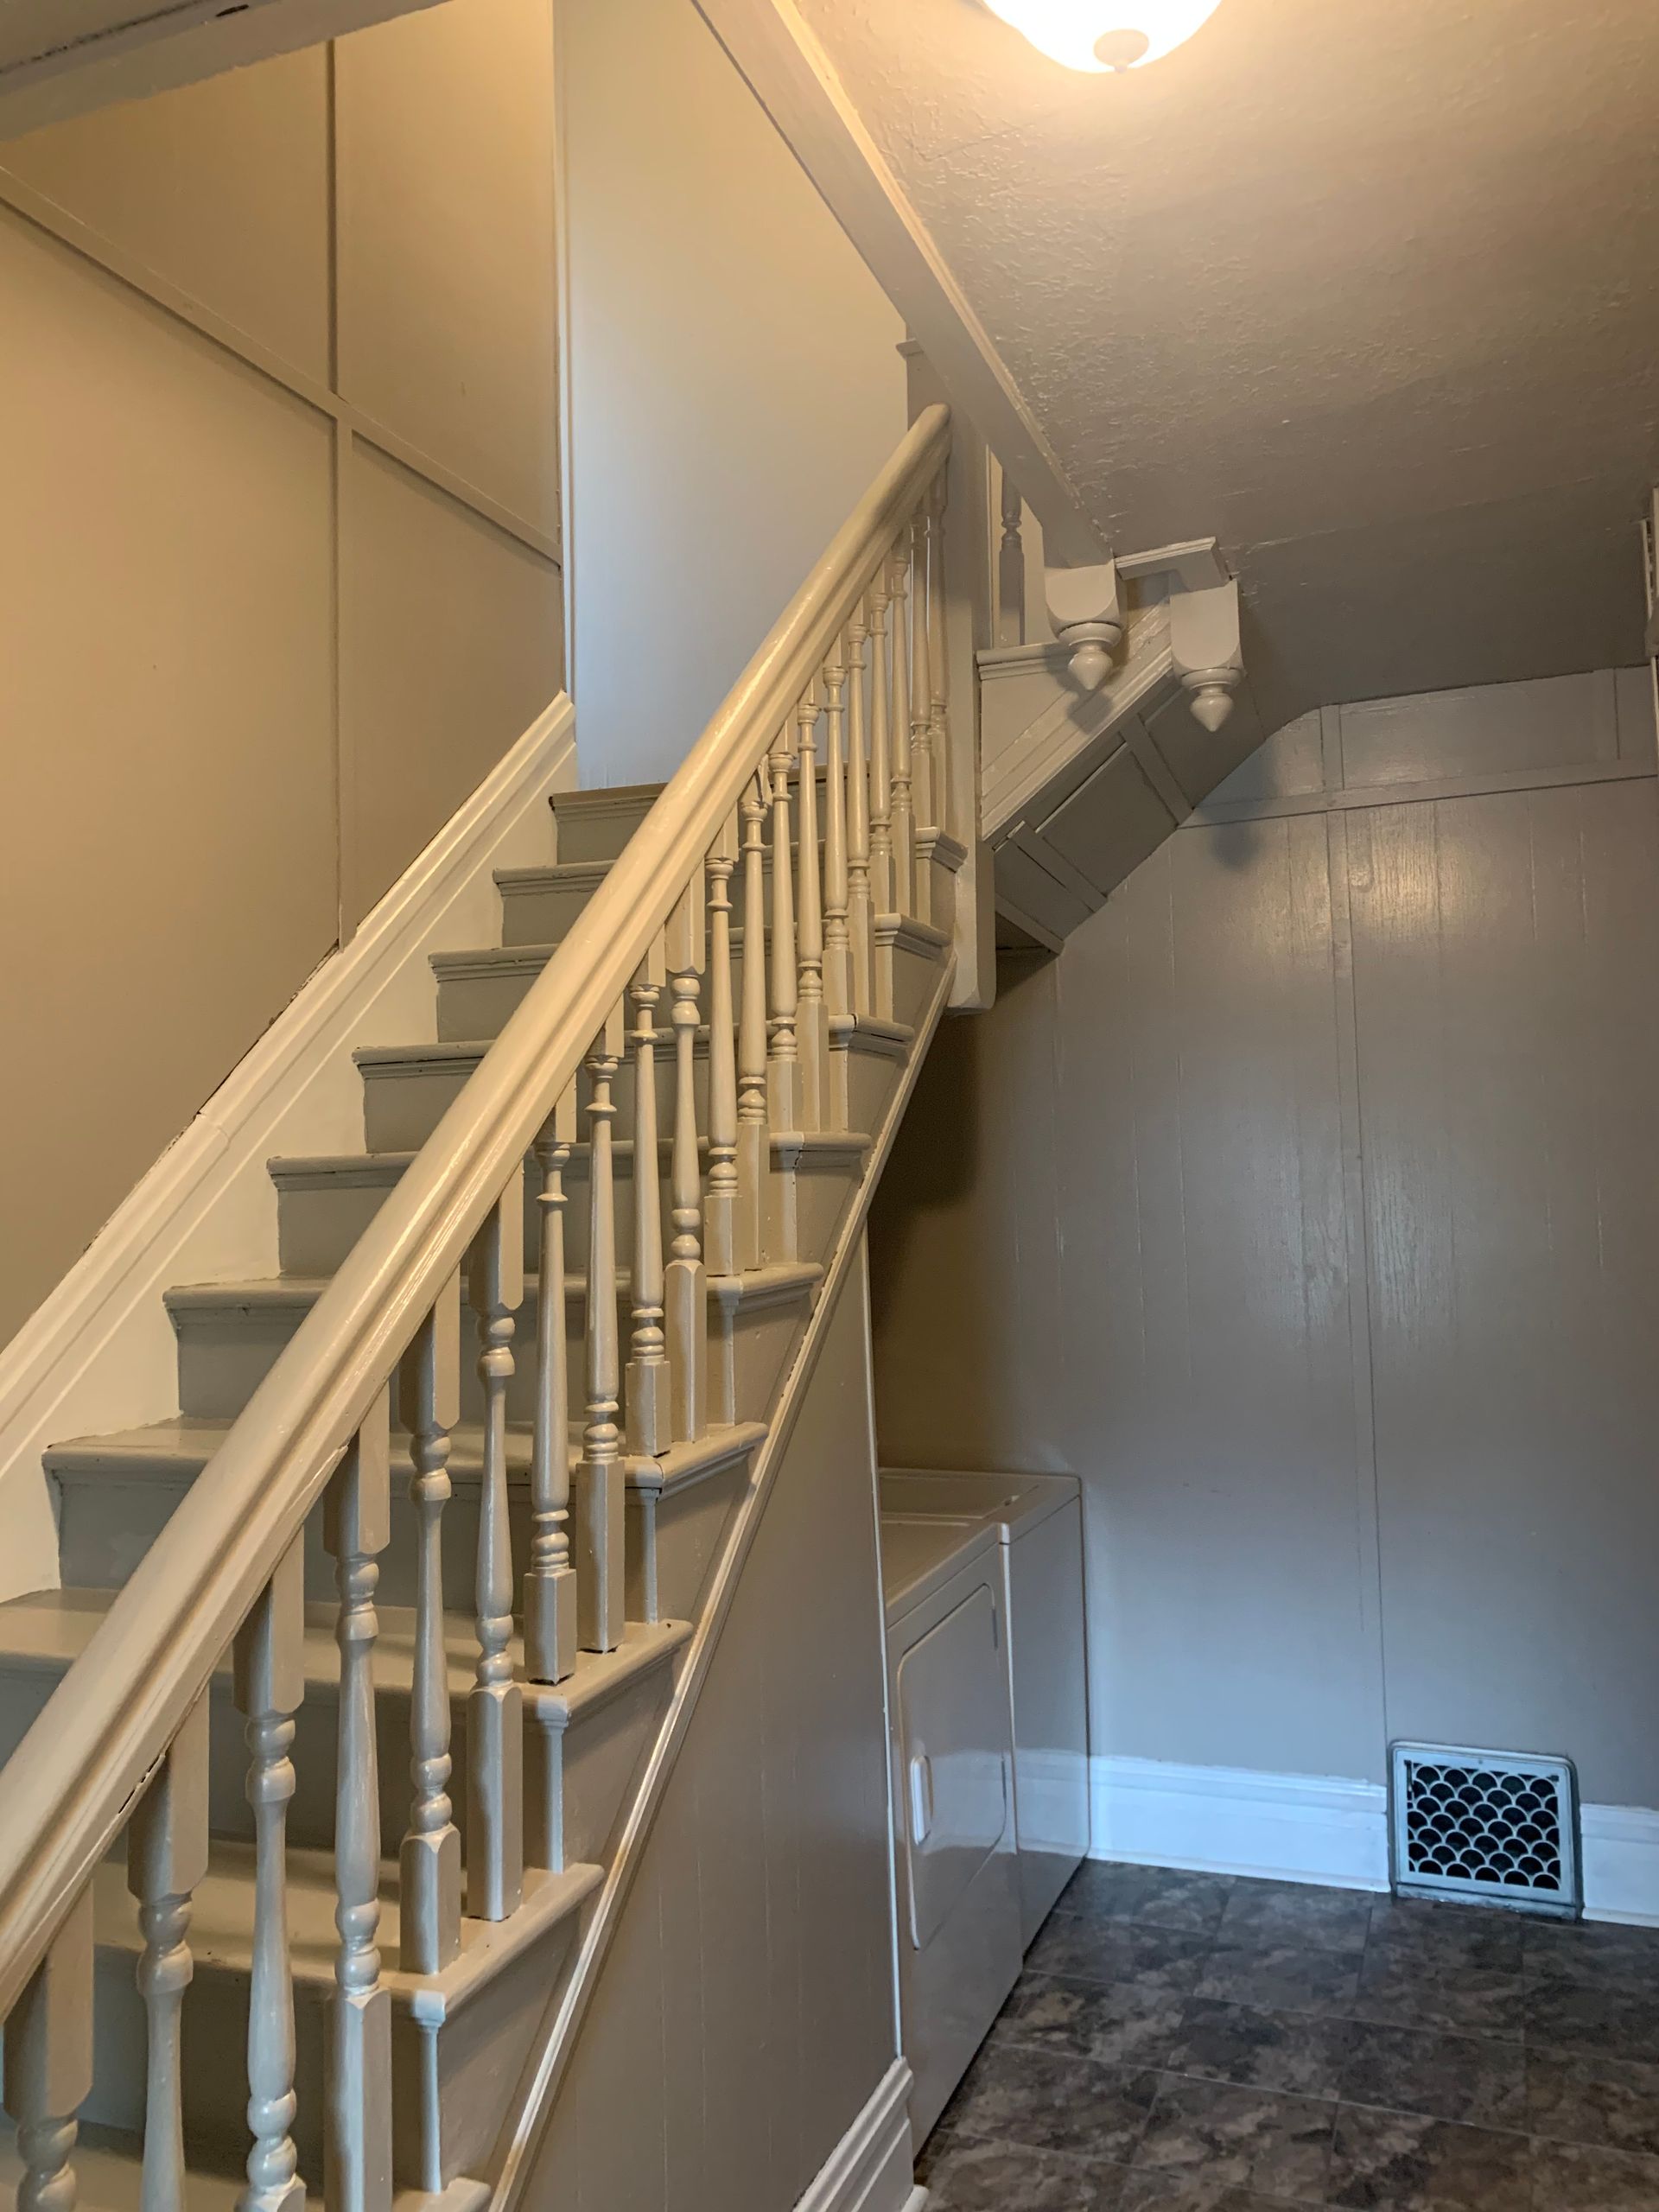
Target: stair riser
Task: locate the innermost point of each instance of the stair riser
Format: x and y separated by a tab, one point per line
595	830
226	1352
319	1222
691	1523
544	913
401	1106
478	2051
914	975
477	1005
578	1787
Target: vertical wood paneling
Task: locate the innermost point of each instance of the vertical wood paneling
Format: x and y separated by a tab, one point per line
1505	954
745	2015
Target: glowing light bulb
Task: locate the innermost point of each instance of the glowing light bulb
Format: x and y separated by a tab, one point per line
1105	34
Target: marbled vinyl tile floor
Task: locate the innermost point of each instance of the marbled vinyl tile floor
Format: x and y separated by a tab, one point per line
1184	2043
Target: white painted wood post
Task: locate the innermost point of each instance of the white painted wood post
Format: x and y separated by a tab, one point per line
687	1298
550	1578
601	1482
880	749
647	1394
1011	569
357	2137
719	1244
495	1705
904	817
938	673
860	934
270	1681
923	789
48	2069
783	1058
838	950
752	1077
811	1019
429	1862
166	1858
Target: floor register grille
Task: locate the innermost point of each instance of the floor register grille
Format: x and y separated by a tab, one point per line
1495	1826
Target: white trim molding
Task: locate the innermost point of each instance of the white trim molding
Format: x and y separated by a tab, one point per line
1325	1829
1291	1828
99	1353
870	2168
1620	1857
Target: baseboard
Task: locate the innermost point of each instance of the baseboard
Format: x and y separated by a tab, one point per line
1288	1828
1304	1827
870	2168
99	1354
1621	1863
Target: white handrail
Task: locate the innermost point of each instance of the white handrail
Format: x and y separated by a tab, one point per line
75	1777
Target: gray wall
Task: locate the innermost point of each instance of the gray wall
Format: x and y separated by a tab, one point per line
278	554
1305	1206
745	2015
733	382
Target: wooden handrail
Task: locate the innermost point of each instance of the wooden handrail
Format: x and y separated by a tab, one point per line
107	1726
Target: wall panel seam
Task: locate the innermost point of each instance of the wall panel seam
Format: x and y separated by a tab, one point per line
1224	814
45	214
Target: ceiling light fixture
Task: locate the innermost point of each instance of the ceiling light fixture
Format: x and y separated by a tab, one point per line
1105	34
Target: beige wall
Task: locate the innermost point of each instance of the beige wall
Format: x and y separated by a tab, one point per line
733	384
279	573
746	2013
1305	1207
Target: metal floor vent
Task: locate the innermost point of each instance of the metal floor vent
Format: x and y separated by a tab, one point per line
1491	1827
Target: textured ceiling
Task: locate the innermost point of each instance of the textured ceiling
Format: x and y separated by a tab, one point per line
1368	289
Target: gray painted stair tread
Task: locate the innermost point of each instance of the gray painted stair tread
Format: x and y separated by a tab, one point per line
47	1630
867	1032
771	1285
221	1924
381	1170
109	2172
178	1449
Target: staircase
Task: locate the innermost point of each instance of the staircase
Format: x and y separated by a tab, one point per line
326	1767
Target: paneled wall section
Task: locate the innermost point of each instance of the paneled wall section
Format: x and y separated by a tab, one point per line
1305	1207
279	573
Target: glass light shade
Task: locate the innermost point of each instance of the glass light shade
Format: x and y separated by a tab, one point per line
1105	34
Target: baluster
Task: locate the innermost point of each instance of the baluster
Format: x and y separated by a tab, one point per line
861	942
904	817
923	788
751	1076
429	1867
1011	570
269	1683
647	1395
939	717
357	1527
838	950
48	2072
811	1019
880	749
720	1209
601	1482
783	1064
495	1706
166	1858
550	1579
687	1300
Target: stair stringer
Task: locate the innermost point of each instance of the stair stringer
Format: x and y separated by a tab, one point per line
539	2084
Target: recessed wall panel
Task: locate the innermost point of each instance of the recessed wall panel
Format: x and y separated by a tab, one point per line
450	649
166	581
221	188
446	294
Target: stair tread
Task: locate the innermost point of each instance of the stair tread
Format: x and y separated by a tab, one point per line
456	1053
221	1924
385	1168
778	1279
181	1446
108	2173
46	1630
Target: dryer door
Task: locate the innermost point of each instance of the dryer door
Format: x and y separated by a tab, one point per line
952	1693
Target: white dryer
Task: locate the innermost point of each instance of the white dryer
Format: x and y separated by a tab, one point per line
955	1861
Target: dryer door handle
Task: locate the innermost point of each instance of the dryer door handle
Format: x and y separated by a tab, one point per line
921	1797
